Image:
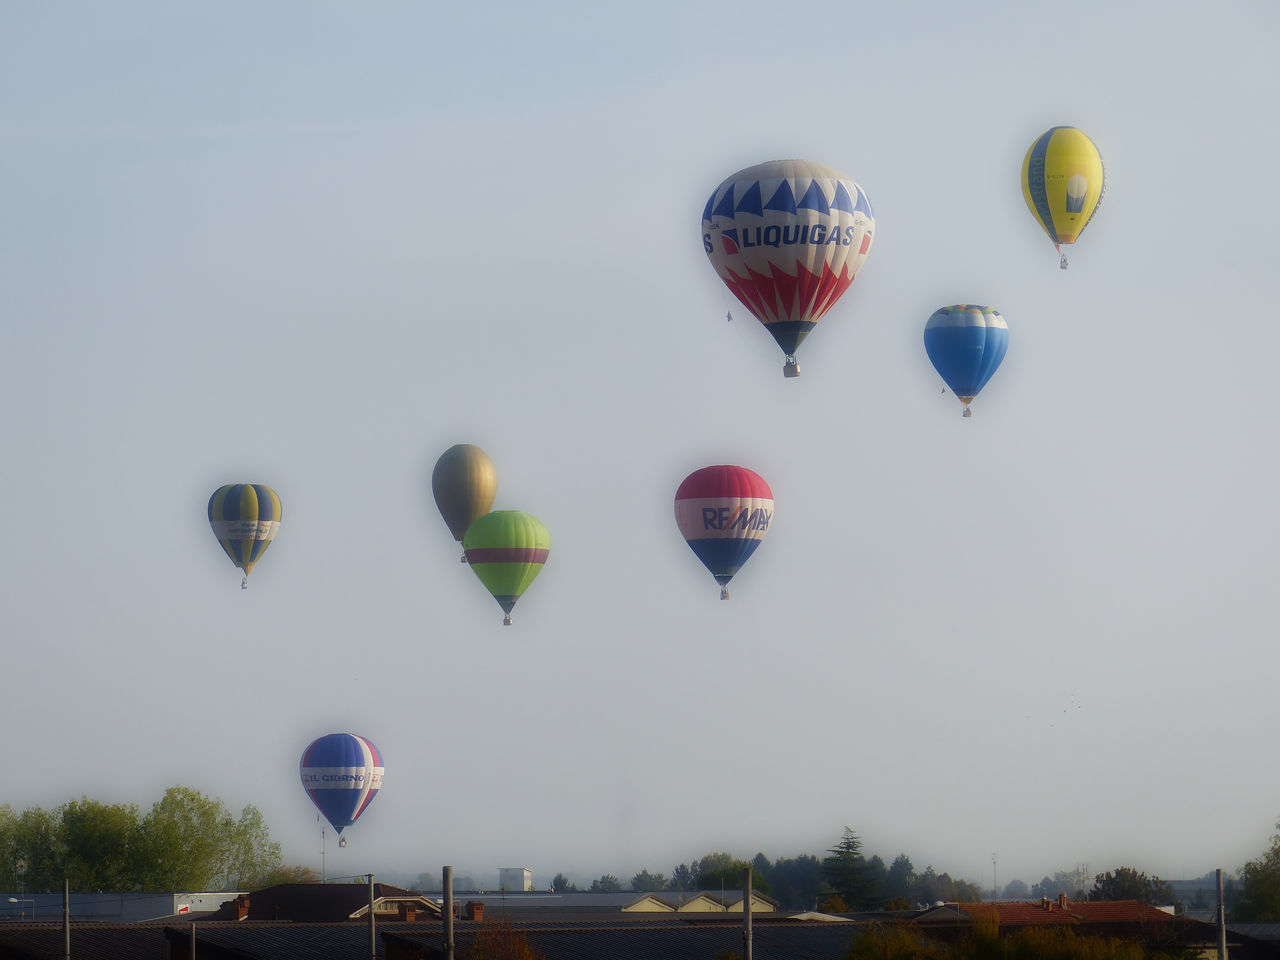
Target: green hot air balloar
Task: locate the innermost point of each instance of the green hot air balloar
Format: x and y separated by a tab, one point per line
506	549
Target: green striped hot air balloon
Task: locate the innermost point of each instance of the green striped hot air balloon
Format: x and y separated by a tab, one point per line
506	549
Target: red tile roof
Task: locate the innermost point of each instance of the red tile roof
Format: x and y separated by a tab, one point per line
1015	913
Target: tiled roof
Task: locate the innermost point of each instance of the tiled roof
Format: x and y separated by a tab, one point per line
1014	913
313	902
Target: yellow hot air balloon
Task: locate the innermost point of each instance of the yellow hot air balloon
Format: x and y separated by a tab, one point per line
245	518
464	483
1063	180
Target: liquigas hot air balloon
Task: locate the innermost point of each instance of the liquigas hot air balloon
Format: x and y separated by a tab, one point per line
507	549
1063	181
723	513
464	483
245	518
787	238
341	773
966	343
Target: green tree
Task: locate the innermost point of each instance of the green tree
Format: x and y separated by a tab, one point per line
646	882
729	878
684	877
1259	887
796	882
606	884
561	884
1126	883
101	844
900	880
36	837
252	858
845	871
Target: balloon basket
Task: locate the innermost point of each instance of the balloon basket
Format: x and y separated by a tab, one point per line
967	412
244	584
506	621
1062	264
724	593
791	368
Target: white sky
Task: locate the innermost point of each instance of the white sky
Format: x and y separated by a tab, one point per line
315	244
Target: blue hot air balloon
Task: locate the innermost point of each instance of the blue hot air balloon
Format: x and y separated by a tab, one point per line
341	774
966	344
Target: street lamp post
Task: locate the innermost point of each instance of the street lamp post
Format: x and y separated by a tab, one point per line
22	914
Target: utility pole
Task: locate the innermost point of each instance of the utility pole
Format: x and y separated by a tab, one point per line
746	913
66	918
373	937
995	884
1222	920
448	913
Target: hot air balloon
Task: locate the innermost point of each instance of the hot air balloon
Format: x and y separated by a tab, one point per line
966	343
245	518
723	512
787	238
341	774
1063	181
507	549
464	483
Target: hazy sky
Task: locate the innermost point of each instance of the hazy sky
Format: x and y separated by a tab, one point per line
315	244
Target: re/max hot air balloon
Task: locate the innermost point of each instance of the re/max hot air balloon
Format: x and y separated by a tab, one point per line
341	773
1063	181
966	343
723	513
245	518
507	549
464	483
787	238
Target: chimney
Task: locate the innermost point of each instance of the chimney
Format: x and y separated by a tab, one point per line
1044	903
1062	900
475	910
408	912
242	906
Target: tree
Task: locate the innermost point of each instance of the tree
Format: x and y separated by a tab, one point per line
1260	886
684	877
1016	890
561	884
606	884
1069	882
845	871
191	842
646	882
729	877
796	881
101	845
1126	883
900	880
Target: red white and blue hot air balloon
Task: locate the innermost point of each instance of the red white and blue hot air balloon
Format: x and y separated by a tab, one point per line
787	237
723	512
341	774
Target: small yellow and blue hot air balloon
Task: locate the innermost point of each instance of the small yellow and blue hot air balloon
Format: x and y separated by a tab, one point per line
1063	180
464	482
507	549
966	343
245	518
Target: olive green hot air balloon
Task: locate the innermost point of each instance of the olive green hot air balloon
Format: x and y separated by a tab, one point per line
464	483
507	549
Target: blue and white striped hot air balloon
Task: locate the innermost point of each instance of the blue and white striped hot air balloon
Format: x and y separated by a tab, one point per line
966	343
341	774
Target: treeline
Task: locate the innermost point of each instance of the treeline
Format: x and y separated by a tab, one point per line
187	841
843	880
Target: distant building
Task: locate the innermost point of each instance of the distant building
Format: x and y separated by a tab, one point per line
515	879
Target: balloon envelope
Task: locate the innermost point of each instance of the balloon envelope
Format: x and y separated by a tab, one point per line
788	237
723	513
341	773
966	343
507	549
1063	180
245	518
464	483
